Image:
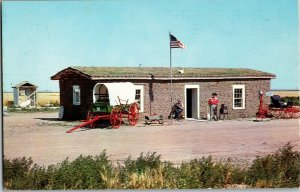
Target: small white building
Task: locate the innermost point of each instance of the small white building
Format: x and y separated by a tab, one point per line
25	94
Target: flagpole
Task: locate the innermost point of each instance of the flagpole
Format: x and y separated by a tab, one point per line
171	88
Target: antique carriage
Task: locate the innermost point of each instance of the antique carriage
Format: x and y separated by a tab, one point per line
277	109
112	102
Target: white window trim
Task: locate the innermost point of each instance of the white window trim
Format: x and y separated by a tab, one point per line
141	87
243	96
74	99
198	99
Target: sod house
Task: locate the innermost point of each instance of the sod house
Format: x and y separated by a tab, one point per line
237	88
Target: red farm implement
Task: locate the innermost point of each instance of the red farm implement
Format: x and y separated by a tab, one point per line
277	109
106	109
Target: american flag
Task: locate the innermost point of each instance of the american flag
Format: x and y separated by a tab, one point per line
174	43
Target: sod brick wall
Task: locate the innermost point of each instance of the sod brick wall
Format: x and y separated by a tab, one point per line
157	95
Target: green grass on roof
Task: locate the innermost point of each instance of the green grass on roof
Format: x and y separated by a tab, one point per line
165	71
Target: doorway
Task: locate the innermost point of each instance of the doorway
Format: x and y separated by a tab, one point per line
192	101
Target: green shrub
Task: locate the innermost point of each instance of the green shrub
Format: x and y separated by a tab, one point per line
82	173
15	172
281	169
295	100
32	110
38	178
205	173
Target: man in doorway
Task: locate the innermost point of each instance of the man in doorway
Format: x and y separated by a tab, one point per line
213	103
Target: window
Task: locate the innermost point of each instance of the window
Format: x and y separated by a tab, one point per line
238	96
76	95
139	96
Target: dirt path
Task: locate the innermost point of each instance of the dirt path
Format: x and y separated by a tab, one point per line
42	137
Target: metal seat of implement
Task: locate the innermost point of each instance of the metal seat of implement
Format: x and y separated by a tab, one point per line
277	103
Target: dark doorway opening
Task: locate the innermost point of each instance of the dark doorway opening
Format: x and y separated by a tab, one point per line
189	106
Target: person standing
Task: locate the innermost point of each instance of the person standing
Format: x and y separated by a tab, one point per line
213	103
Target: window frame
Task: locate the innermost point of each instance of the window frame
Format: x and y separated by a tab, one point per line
141	88
74	91
234	87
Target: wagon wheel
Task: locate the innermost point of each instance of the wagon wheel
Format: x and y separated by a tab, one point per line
277	113
268	112
281	113
287	113
284	114
273	113
116	118
133	114
90	116
297	112
290	112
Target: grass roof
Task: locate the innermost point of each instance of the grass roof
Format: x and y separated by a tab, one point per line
165	72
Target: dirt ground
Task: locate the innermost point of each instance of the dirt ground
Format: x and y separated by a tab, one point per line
44	138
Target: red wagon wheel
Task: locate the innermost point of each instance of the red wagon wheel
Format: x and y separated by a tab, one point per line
116	118
295	112
133	114
287	113
284	113
281	113
274	113
90	116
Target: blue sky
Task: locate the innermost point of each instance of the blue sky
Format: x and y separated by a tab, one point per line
41	38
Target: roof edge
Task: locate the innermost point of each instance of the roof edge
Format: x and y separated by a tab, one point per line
56	76
23	83
85	74
184	78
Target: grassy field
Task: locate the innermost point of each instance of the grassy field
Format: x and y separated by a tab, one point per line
286	93
43	98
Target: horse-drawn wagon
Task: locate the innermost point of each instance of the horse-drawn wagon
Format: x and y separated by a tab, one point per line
112	102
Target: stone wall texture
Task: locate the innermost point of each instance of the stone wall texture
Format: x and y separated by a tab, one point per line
157	97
